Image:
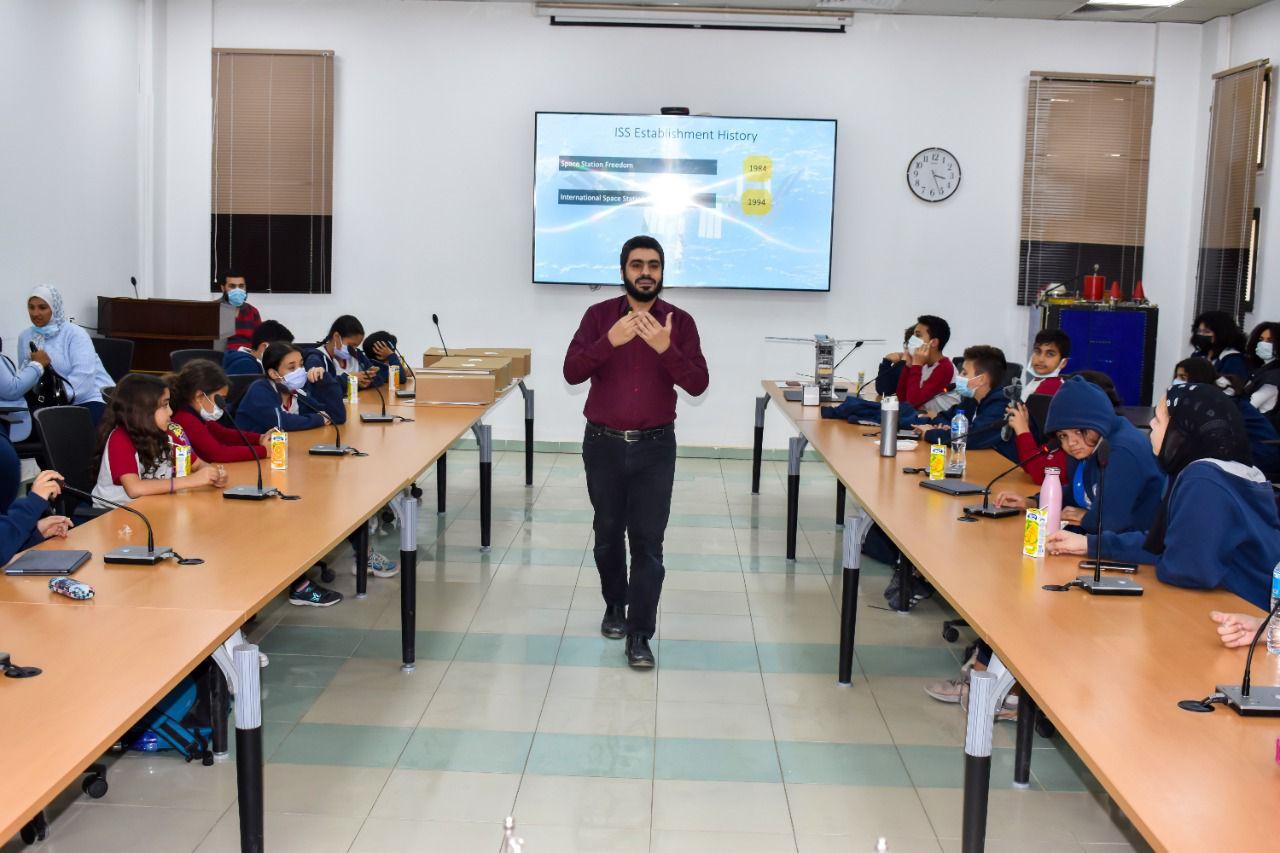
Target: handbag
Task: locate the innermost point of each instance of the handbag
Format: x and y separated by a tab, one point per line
50	390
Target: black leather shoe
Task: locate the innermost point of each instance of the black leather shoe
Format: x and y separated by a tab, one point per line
614	623
639	655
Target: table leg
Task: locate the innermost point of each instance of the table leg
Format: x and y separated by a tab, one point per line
528	433
795	450
906	579
757	450
986	693
1027	714
840	498
240	661
220	709
856	525
360	543
408	578
484	438
441	471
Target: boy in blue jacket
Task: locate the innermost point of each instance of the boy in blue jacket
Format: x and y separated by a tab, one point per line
247	361
1217	526
22	525
983	401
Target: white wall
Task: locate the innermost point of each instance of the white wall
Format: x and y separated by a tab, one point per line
1256	35
69	203
434	121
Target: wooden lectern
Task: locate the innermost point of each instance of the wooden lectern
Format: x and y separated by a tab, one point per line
157	327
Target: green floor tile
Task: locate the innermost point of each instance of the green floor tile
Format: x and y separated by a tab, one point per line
467	751
457	554
345	746
818	658
915	661
273	734
286	703
725	521
701	562
306	640
706	655
943	766
1058	768
300	670
706	760
876	765
428	645
781	565
509	648
592	651
591	755
545	556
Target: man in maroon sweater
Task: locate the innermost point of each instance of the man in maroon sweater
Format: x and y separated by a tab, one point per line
235	291
635	349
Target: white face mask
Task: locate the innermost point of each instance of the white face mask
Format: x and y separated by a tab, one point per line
1265	350
914	345
214	414
1032	372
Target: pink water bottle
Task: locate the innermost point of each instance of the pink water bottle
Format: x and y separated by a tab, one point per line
1051	499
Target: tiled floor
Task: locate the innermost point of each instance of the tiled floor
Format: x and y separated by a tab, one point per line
740	740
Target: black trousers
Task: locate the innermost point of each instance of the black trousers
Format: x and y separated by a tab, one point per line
630	488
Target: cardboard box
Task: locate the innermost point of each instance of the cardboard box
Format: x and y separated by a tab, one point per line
521	357
436	387
499	367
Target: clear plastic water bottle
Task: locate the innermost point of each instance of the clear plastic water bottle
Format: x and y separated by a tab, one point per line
1273	630
959	438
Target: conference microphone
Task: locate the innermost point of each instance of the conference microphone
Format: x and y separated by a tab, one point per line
1097	584
133	553
435	318
1243	699
335	449
133	279
245	493
383	418
989	511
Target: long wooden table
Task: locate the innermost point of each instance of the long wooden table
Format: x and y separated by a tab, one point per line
108	660
1107	671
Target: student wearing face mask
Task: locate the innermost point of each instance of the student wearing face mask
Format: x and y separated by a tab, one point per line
1080	416
235	292
1048	358
1215	335
980	388
1216	526
247	361
196	389
926	373
273	402
340	355
1263	389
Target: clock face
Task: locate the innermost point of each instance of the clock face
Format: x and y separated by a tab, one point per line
934	174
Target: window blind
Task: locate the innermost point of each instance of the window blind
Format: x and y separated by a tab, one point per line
1084	180
273	168
1229	223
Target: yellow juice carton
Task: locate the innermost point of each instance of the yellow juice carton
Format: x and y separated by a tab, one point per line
938	462
353	388
181	460
393	377
279	445
1033	532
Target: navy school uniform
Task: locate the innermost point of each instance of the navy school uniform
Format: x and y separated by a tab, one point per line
18	525
1233	362
260	409
319	358
986	425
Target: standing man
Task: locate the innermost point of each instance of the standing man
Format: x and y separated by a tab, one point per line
235	291
635	349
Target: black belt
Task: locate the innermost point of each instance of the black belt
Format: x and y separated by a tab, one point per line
631	435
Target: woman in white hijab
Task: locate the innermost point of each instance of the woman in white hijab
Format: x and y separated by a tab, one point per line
71	353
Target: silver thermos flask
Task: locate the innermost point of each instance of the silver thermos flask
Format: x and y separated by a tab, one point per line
889	426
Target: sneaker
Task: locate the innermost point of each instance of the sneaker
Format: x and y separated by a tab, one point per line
1006	713
314	595
263	660
949	691
379	566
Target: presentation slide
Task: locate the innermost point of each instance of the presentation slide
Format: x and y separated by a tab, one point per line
735	202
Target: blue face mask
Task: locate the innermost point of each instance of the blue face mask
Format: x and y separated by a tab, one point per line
295	379
962	386
48	330
237	296
342	352
1175	383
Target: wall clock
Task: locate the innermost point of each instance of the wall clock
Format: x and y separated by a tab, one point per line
933	174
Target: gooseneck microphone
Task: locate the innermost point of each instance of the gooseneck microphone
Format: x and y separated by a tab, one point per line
133	279
129	553
1097	584
435	318
986	510
335	449
383	418
405	372
245	493
1242	699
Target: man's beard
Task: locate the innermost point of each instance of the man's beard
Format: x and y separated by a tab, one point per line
640	295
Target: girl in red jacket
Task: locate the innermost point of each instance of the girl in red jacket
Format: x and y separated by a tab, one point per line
195	391
1048	358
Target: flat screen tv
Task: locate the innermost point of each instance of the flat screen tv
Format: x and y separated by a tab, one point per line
743	203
